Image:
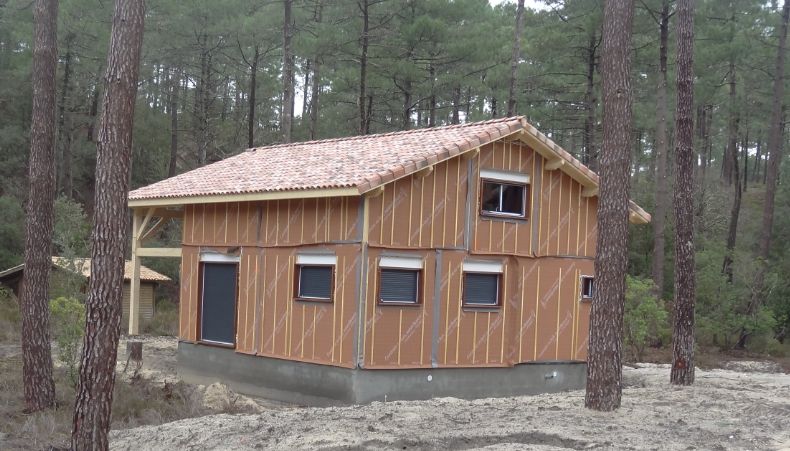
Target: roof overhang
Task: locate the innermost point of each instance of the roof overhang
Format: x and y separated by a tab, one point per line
243	197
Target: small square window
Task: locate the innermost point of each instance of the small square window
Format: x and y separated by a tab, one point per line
481	289
504	199
399	286
314	282
588	287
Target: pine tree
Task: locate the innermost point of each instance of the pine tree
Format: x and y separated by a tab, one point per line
36	352
685	284
91	421
604	366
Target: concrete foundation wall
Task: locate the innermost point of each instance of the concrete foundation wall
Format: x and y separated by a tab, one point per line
314	384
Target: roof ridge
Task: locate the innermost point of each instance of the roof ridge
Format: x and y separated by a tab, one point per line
393	133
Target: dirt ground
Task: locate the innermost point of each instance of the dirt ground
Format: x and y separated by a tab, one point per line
746	406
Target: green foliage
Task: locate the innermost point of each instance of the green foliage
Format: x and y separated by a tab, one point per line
68	327
71	230
645	320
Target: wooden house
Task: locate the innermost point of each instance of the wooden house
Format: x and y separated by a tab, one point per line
448	261
149	279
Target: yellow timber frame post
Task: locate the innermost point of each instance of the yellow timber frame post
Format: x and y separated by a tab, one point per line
141	217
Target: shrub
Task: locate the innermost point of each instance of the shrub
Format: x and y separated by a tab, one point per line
68	327
645	321
165	320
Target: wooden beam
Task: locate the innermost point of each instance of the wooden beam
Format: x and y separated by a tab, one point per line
159	252
375	192
154	228
555	164
134	288
471	154
424	172
590	191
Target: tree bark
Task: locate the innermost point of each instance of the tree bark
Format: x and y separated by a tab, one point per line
685	286
364	40
253	83
604	366
732	232
315	98
514	59
661	180
775	150
588	157
175	85
64	123
288	74
456	119
91	421
39	386
727	168
432	96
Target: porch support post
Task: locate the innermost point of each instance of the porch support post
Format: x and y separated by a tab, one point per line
138	224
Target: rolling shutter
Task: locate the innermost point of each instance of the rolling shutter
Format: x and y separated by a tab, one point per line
481	289
315	282
398	285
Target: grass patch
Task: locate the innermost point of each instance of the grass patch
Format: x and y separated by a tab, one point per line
164	321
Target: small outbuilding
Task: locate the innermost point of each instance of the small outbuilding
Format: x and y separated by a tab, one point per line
447	261
81	267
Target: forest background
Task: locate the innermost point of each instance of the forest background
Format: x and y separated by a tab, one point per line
218	77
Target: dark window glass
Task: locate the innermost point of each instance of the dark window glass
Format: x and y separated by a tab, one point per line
481	289
588	287
315	282
218	303
504	198
399	285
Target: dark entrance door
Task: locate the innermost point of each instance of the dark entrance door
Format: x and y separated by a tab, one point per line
218	303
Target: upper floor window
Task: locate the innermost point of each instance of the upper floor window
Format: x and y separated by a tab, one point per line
504	194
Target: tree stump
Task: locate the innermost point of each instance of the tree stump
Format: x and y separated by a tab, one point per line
134	353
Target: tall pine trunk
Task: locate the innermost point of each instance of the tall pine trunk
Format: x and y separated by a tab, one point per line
364	40
252	100
64	123
175	85
514	59
288	74
39	386
732	232
685	284
91	421
662	182
588	157
775	150
604	366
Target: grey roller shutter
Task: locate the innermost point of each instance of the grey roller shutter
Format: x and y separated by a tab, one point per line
398	285
315	282
481	289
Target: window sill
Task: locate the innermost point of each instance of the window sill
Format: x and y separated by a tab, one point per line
398	304
217	344
586	300
506	218
316	300
481	308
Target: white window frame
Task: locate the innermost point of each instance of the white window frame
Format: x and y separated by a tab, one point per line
505	178
582	296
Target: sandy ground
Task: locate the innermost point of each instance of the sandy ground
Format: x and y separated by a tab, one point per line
744	407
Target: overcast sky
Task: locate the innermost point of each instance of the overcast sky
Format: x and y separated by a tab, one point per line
534	4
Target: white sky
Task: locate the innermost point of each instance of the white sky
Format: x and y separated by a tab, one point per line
534	4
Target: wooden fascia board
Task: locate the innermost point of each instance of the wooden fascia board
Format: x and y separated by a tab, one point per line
244	197
159	252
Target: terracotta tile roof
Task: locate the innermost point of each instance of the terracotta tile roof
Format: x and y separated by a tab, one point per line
83	266
359	162
362	162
